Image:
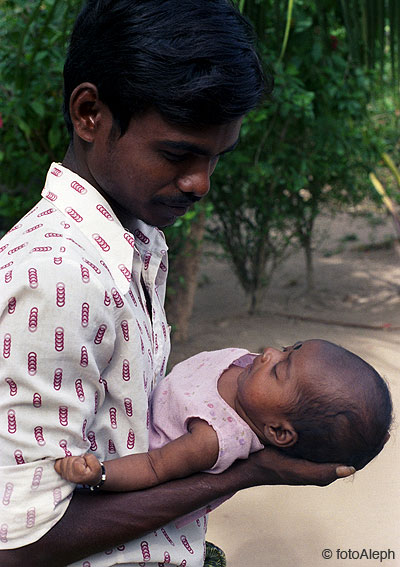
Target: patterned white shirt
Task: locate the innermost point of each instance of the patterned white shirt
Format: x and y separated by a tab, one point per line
79	356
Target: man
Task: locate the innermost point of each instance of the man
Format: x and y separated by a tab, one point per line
155	92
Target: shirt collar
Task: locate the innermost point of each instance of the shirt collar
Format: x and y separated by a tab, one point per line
86	208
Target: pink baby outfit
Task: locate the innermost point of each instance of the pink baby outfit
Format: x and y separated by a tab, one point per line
190	390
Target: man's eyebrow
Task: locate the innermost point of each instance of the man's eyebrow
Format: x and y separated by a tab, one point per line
195	148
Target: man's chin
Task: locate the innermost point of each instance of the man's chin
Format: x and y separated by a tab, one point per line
165	225
166	215
159	223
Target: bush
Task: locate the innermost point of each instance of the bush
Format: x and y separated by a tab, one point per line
308	148
33	38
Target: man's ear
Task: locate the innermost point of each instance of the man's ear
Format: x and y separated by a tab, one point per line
86	111
280	434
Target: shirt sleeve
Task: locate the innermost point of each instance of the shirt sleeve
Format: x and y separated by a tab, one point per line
57	334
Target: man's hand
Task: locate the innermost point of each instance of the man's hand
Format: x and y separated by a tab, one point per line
271	466
102	520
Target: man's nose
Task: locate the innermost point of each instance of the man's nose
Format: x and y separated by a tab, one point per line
197	181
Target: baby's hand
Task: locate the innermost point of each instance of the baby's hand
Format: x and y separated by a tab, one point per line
81	470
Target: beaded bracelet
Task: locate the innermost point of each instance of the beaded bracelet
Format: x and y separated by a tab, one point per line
102	479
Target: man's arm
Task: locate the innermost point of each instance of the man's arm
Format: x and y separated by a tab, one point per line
97	522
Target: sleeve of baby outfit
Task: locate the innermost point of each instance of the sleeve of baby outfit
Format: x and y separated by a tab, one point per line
56	336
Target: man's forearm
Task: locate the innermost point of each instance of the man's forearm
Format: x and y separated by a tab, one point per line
97	522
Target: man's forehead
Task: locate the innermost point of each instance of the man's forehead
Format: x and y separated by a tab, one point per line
205	140
196	148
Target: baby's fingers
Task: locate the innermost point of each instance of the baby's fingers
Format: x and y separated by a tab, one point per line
57	466
72	468
92	463
79	467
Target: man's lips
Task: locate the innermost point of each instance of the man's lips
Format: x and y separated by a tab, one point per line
178	206
178	211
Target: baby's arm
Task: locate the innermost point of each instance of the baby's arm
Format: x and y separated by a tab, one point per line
193	452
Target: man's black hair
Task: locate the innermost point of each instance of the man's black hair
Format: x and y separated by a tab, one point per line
191	60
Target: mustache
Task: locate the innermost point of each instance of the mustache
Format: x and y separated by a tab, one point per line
179	201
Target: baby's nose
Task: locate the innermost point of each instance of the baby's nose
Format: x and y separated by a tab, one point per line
274	354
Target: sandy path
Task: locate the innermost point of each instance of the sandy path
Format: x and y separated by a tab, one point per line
291	526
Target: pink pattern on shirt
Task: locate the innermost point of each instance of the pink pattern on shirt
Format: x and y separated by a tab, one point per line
74	376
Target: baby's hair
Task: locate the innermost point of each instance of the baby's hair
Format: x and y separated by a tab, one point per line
346	415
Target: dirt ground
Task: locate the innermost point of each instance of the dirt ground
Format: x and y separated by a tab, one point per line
356	304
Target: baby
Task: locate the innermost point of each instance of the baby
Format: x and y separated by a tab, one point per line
313	400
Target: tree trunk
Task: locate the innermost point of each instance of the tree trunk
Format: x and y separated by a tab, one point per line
253	302
183	280
309	265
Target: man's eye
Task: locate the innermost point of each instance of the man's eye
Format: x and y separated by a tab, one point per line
174	157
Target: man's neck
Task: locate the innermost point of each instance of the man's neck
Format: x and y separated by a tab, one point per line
75	162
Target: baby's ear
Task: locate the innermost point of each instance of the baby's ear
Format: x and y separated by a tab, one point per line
280	434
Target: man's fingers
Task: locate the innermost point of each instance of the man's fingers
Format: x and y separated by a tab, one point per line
328	473
343	471
298	472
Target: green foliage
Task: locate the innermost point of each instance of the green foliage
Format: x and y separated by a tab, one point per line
180	239
372	28
177	234
384	194
251	217
373	33
33	38
309	147
333	146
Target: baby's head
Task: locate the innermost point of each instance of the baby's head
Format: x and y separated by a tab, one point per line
345	415
318	401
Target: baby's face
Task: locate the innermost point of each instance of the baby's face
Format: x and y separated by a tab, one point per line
268	386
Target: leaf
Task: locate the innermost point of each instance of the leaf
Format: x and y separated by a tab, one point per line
38	107
22	125
54	136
